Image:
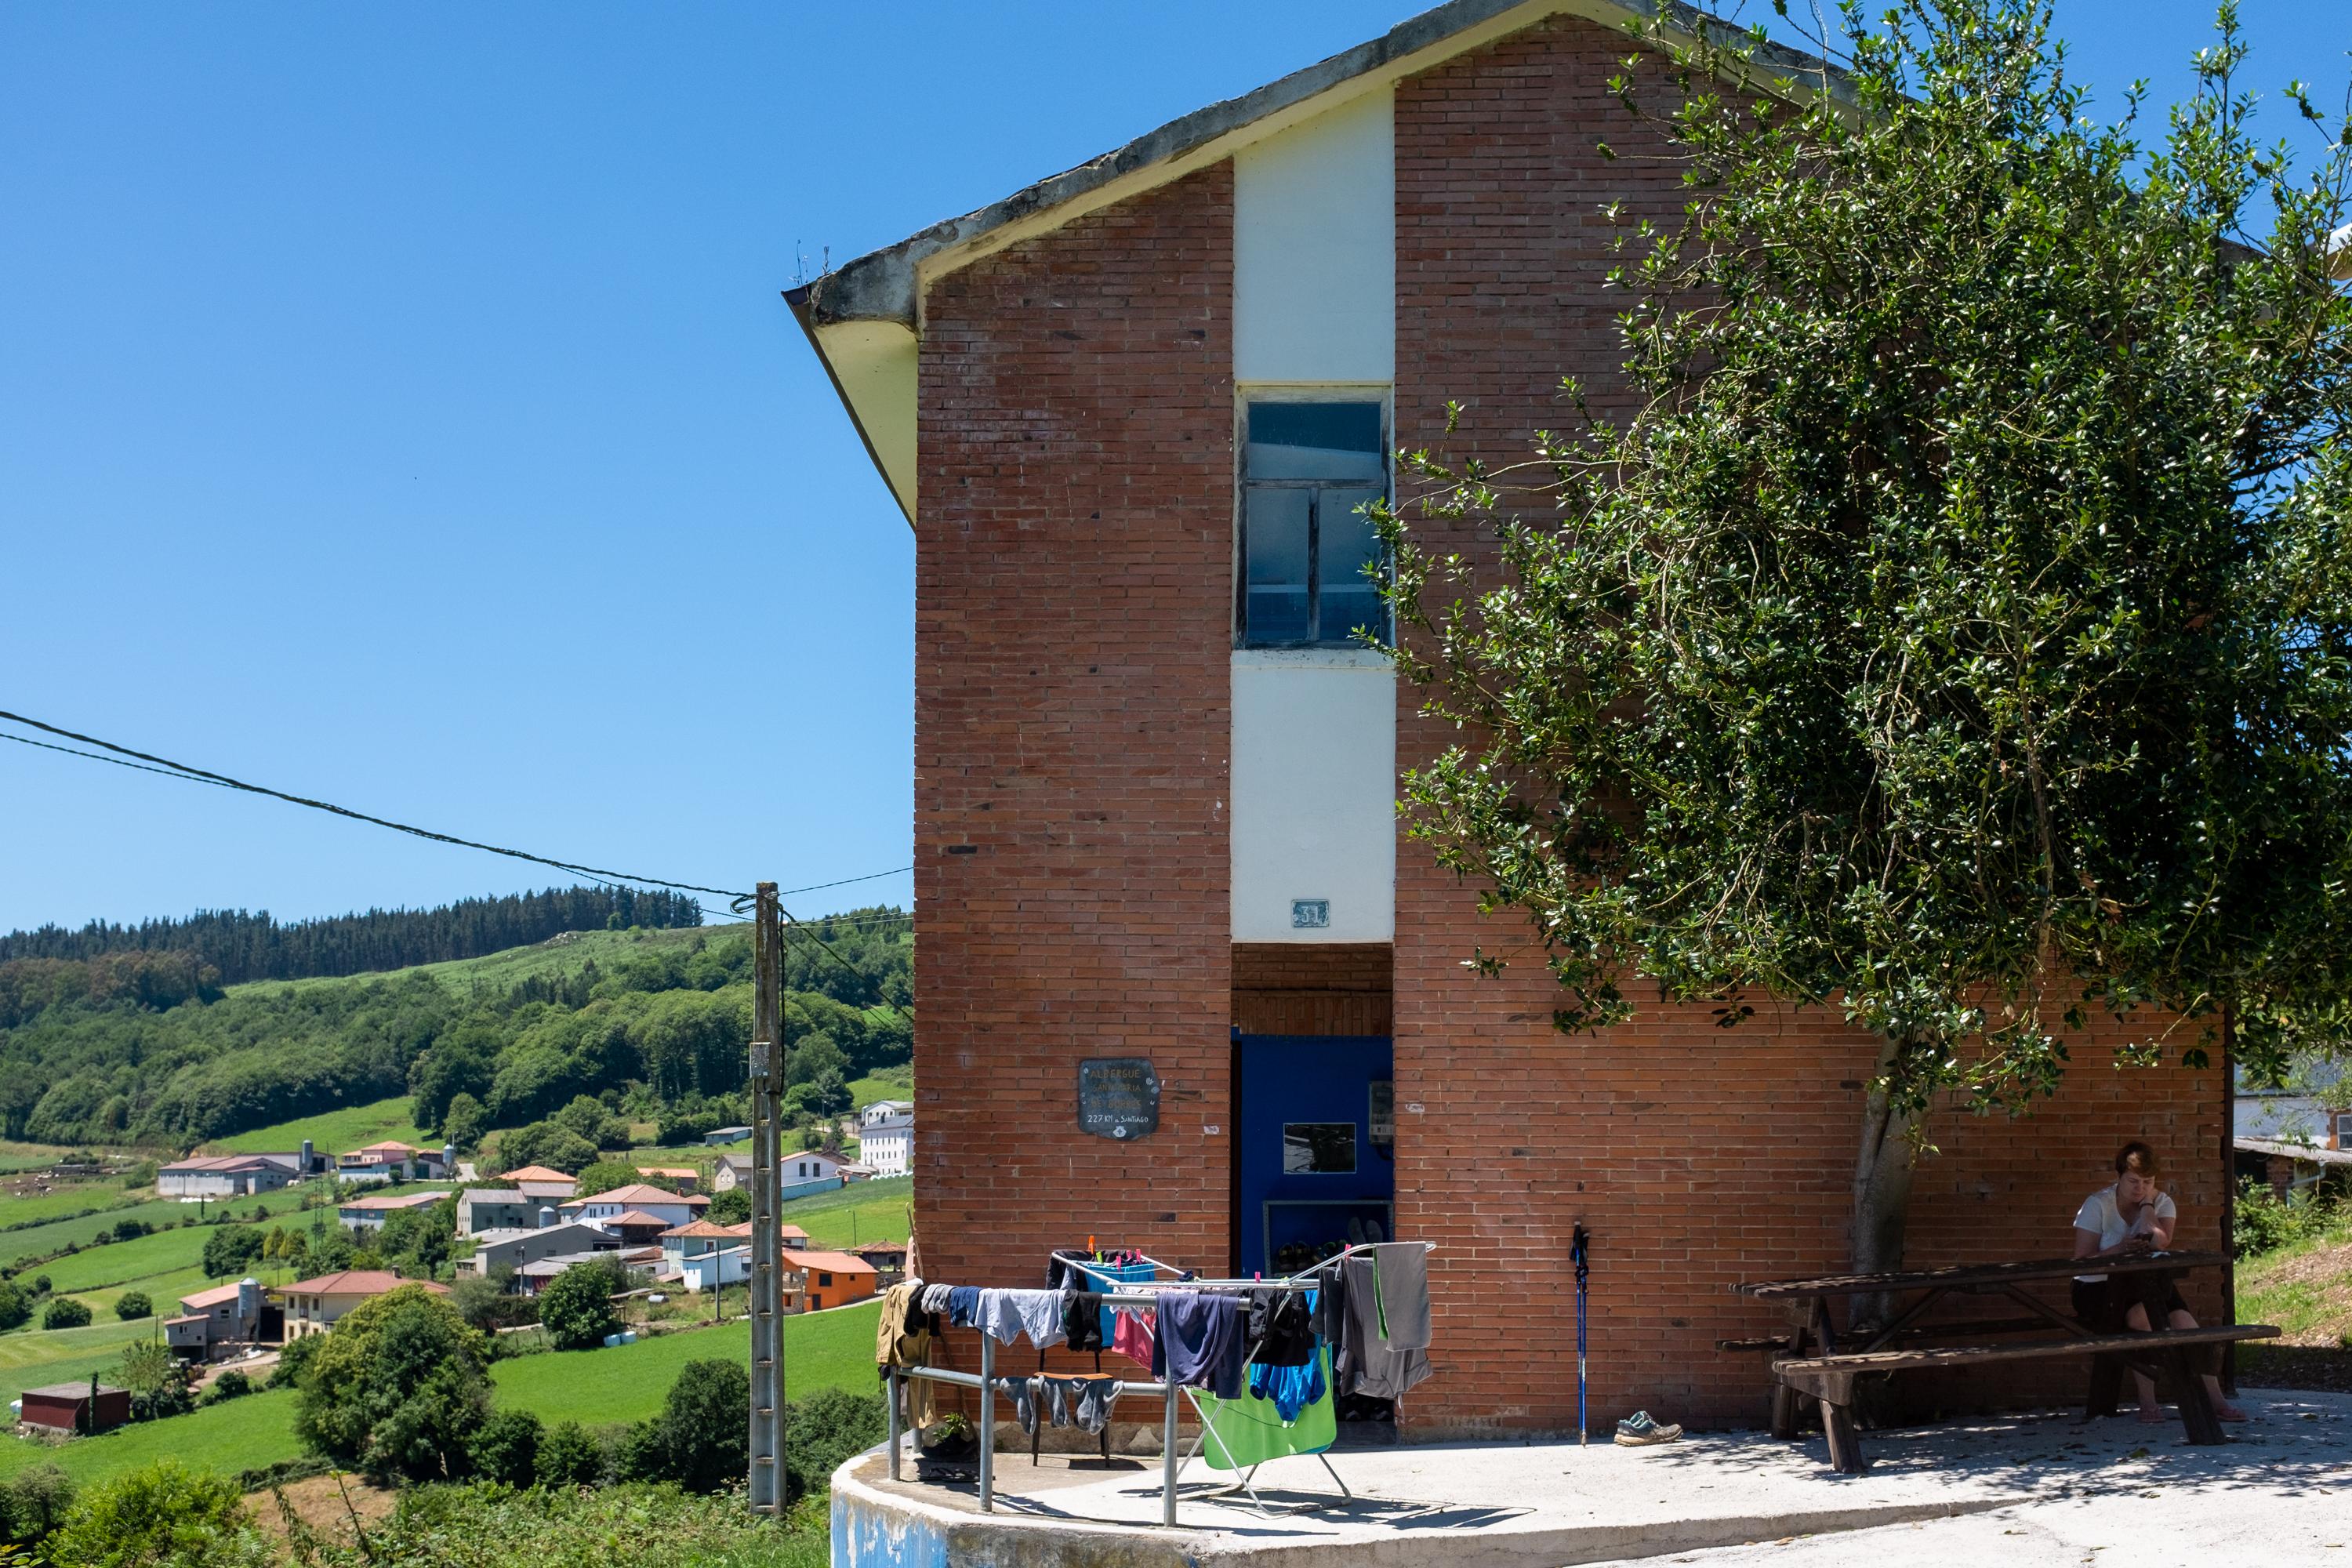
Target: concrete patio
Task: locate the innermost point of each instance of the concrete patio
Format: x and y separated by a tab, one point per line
2287	1476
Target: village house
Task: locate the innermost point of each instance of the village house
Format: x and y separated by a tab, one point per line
497	1249
722	1135
211	1323
640	1262
701	1254
651	1203
393	1162
887	1145
1182	987
803	1172
731	1172
235	1175
495	1208
883	1111
314	1306
889	1260
836	1278
685	1177
541	1184
370	1213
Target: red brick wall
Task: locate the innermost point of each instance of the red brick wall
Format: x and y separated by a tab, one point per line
1312	988
1074	590
1698	1158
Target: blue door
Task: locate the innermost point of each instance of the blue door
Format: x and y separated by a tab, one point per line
1317	1166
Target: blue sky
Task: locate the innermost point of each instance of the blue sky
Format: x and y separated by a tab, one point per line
396	407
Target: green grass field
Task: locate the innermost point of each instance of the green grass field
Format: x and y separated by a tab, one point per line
30	1358
628	1382
238	1434
39	1240
891	1083
38	1208
861	1211
336	1132
500	971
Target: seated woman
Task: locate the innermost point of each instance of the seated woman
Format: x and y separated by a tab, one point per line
2132	1219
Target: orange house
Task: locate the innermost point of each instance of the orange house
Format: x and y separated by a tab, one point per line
836	1278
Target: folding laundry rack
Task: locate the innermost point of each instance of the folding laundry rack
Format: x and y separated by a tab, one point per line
984	1381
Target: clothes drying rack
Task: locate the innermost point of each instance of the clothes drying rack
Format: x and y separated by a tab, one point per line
1127	1296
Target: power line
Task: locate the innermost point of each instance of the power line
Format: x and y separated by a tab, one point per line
171	769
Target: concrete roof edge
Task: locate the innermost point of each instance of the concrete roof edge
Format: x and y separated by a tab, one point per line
884	285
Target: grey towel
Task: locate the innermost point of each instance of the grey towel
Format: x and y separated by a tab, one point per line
1400	1271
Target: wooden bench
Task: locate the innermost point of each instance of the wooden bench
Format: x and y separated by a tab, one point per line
1830	1378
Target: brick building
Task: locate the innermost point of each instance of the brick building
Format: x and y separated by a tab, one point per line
1129	412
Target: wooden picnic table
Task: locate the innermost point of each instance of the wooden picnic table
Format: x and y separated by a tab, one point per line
1823	1358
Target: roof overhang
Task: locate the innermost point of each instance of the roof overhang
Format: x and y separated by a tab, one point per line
865	319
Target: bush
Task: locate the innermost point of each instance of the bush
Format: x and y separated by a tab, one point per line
399	1388
230	1385
233	1249
65	1312
545	1143
576	1307
34	1502
638	1526
134	1304
605	1174
164	1514
488	1303
826	1428
294	1360
2264	1224
159	1381
570	1456
701	1438
507	1448
732	1206
40	1284
142	1174
131	1229
16	1306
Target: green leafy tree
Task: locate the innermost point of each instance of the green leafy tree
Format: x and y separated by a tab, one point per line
1946	620
157	1381
570	1456
134	1304
488	1302
163	1515
465	1122
399	1388
65	1312
294	1360
545	1143
34	1502
576	1307
732	1206
700	1440
594	1121
233	1249
16	1306
421	1238
506	1450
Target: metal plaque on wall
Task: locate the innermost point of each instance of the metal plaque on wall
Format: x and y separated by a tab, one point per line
1119	1097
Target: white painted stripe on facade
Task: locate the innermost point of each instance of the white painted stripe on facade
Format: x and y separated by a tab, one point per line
1315	249
1313	785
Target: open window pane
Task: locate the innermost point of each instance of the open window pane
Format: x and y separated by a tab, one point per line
1275	527
1348	545
1318	1148
1315	441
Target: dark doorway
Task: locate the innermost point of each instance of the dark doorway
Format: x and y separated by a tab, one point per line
1317	1165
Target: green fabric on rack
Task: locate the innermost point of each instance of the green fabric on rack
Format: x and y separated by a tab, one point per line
1249	1430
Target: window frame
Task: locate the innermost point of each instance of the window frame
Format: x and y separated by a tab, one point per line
1247	392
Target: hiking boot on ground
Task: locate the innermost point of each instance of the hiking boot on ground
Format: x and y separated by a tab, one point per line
1638	1431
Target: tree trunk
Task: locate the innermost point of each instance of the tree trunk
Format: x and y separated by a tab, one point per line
1882	1187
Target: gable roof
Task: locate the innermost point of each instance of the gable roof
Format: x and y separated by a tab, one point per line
405	1201
635	1217
538	1174
212	1297
864	320
831	1262
639	1193
218	1162
360	1282
700	1228
493	1195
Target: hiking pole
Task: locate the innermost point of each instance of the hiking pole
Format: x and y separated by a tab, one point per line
1580	1250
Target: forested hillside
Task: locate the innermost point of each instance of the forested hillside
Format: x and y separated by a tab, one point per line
239	946
652	1023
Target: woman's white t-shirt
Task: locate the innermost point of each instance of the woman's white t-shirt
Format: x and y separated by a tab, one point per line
2100	1214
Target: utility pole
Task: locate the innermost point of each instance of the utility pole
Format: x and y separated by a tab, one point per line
767	1304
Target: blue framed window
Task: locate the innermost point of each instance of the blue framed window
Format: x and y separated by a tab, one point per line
1308	469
